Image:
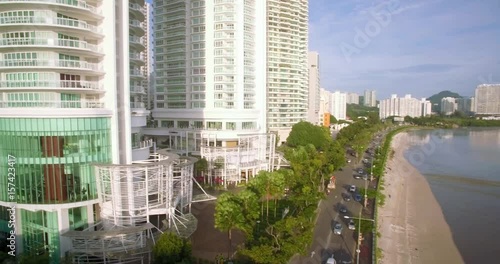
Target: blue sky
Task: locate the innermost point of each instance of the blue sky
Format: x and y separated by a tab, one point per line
419	47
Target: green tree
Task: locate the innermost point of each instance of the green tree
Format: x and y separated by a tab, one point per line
201	166
229	216
171	248
305	133
333	120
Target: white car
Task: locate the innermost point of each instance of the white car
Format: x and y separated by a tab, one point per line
331	260
352	188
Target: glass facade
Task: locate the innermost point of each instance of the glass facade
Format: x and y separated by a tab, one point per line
53	157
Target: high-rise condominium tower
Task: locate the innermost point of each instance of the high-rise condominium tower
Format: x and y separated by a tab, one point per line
71	116
287	64
314	88
210	97
370	98
487	99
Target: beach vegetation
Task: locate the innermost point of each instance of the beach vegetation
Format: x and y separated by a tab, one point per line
455	120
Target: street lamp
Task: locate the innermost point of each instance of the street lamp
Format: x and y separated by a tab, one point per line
359	233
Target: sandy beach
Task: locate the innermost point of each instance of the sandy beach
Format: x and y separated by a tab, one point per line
411	222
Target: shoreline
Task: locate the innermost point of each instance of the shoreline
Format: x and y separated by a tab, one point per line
411	222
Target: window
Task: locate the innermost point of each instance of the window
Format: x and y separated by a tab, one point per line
182	124
249	125
167	123
230	125
214	125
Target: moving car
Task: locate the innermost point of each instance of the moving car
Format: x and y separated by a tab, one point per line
331	260
337	229
351	225
352	188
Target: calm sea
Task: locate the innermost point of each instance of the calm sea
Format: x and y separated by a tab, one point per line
462	167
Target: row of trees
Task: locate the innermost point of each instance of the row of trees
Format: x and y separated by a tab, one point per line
276	210
448	122
359	134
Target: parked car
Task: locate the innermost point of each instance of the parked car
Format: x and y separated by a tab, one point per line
352	188
347	197
351	225
357	197
356	176
343	209
337	229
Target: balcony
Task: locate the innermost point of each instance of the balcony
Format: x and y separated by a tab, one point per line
142	144
51	21
51	104
57	43
39	63
136	58
136	26
84	86
137	105
136	89
77	4
134	73
137	10
136	42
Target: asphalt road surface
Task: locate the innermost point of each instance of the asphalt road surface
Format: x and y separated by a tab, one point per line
325	242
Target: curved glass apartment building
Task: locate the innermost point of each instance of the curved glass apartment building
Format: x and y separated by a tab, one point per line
72	91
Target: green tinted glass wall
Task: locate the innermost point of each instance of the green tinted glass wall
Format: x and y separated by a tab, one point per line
53	157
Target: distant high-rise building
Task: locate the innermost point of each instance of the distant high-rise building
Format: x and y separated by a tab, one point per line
448	105
338	105
314	88
405	106
487	99
426	107
324	107
464	105
352	98
370	98
287	66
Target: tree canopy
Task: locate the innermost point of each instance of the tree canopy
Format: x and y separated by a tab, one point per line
171	248
305	133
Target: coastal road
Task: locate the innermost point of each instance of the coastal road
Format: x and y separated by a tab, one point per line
325	242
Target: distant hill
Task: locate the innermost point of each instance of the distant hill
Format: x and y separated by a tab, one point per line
436	99
353	111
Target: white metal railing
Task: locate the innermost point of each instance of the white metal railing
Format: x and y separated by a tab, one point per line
135	56
50	63
49	20
46	42
136	73
75	3
137	105
136	7
91	85
52	104
137	89
143	144
135	23
136	39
